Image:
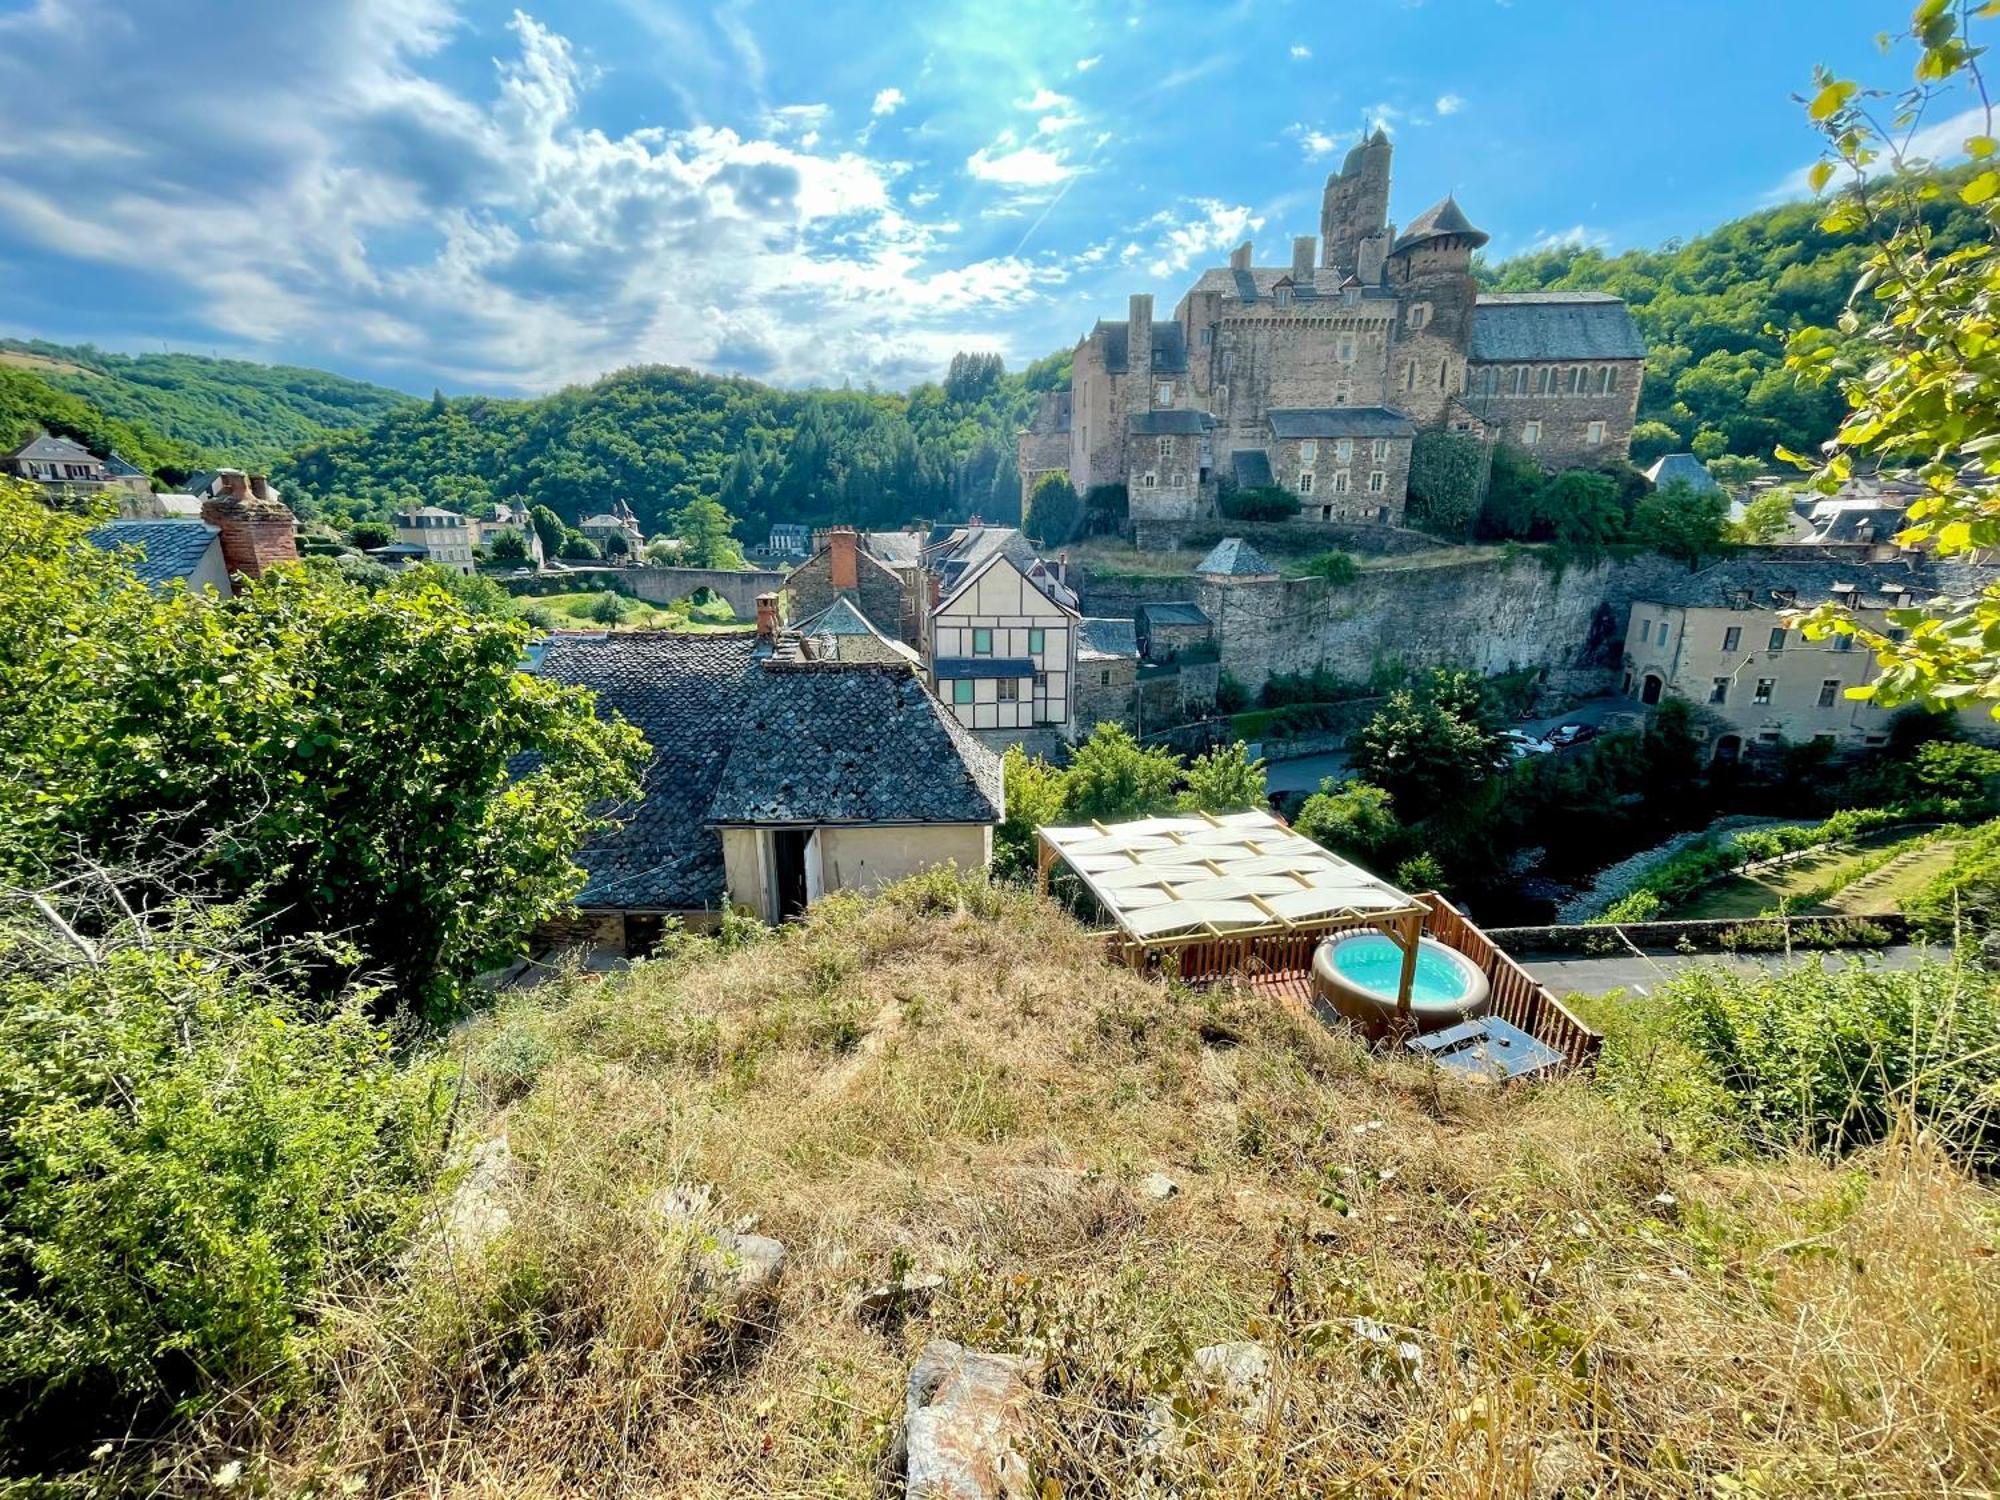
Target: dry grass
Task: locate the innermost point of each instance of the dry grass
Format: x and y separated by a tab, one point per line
974	1092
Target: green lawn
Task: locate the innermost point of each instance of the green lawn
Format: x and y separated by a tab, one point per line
1860	885
575	611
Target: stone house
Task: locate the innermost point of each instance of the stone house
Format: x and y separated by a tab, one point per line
1718	639
1345	463
617	531
60	463
889	597
1001	652
444	535
1107	673
1168	630
773	778
1361	317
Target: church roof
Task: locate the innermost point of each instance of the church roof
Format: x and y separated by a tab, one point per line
1442	220
1509	326
1169	347
1173	422
1233	557
1340	422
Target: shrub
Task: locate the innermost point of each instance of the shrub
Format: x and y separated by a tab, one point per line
508	547
1231	697
1334	567
1268	502
1447	470
1054	512
612	608
368	535
1420	872
1351	818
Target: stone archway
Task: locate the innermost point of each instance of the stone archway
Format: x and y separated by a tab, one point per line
1651	688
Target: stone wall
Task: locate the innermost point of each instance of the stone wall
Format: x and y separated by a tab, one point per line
1099	700
1490	614
739	587
1565	417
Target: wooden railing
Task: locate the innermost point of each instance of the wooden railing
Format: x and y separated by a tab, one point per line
1517	995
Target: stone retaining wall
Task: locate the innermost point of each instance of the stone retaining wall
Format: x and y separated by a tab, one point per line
1702	935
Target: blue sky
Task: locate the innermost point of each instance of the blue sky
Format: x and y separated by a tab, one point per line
466	194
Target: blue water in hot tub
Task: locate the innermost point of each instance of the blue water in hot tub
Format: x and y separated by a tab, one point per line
1375	963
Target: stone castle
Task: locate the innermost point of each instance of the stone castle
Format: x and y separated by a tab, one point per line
1316	376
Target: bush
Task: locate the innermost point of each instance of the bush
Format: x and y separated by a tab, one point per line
612	608
1334	567
1269	502
1054	512
368	535
1446	472
193	1161
1231	697
1827	1060
1351	818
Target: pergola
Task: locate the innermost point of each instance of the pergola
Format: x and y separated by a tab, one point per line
1178	883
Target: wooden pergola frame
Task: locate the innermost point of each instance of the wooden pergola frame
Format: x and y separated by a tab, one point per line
1403	925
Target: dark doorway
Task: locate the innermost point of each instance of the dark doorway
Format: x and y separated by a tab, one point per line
788	870
1649	691
1728	750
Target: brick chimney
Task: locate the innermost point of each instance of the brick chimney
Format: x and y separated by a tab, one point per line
256	527
767	618
842	544
1305	250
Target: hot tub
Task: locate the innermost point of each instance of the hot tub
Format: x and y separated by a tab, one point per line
1357	974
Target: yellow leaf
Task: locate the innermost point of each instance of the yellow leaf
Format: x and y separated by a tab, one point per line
1820	175
1979	146
1982	187
1829	100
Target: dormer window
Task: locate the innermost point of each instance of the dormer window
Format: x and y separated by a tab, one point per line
1283	294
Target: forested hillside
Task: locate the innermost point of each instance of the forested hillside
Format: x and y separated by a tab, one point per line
207	410
659	437
1715	377
29	403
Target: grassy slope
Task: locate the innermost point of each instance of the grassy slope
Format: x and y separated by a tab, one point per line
1916	859
956	1081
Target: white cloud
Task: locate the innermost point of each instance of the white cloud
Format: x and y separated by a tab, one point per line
1941	142
1019	167
1449	104
1300	51
1316	143
1085	64
887	102
1045	98
1213	226
1576	237
350	203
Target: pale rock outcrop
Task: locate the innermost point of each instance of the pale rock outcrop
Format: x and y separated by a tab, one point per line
965	1424
478	1212
730	1264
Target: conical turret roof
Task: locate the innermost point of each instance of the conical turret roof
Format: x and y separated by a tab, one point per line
1443	220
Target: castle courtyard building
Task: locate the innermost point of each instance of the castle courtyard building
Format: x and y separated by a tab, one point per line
1247	382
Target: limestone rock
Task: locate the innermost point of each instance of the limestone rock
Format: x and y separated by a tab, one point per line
1158	1187
965	1423
1240	1374
744	1268
478	1214
910	1293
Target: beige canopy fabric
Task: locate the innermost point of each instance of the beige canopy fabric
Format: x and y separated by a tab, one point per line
1208	874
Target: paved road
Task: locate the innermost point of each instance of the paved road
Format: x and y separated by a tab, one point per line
1597	976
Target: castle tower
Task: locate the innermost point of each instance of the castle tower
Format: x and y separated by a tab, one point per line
1356	206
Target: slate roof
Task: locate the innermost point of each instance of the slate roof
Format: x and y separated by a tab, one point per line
950	667
841	632
121	468
1753	583
1252	467
1685	468
1860	523
1104	639
898	549
1340	422
1260	282
1174	612
1177	421
429	510
685	693
1509	326
1442	220
1169	347
44	448
840	744
1232	557
168	549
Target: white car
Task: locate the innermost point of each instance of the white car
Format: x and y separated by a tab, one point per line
1519	744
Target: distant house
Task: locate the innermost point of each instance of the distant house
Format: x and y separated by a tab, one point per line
1107	672
888	594
510	518
775	777
176	551
616	531
790	539
1167	629
1682	468
60	463
443	534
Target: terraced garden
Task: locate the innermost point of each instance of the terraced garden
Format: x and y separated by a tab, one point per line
1869	875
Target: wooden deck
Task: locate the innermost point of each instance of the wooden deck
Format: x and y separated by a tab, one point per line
1280	966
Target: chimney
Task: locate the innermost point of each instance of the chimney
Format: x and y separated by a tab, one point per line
235	483
841	546
1062	569
1139	337
1239	258
260	486
257	529
1304	249
767	618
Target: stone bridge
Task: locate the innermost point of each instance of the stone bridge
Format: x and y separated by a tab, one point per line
739	587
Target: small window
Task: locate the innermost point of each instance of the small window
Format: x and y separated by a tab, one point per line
1419	315
1163	393
961	690
1610	379
1035	640
1342	395
1149	481
1604	380
1340	482
1377	481
1778	638
1764	686
1843	643
1306	478
1207	337
982	643
1531	434
1645	631
1410	376
1309	452
1594	434
1010	690
1346	349
1041	682
1829	689
1326	512
1343	451
1444	374
1176	480
1718	691
1732	638
1665	632
1166	449
1284	296
1379	450
1575	376
1104	678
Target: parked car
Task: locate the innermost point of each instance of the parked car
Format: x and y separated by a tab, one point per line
1572	734
1518	744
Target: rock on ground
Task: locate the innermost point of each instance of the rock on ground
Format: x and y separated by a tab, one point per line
965	1423
477	1214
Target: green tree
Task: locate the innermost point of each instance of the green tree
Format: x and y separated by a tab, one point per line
338	754
549	527
707	535
1112	776
1351	818
1765	519
1037	797
1920	377
1427	747
368	535
1054	512
508	547
1653	439
1225	779
1447	471
576	547
1679	521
